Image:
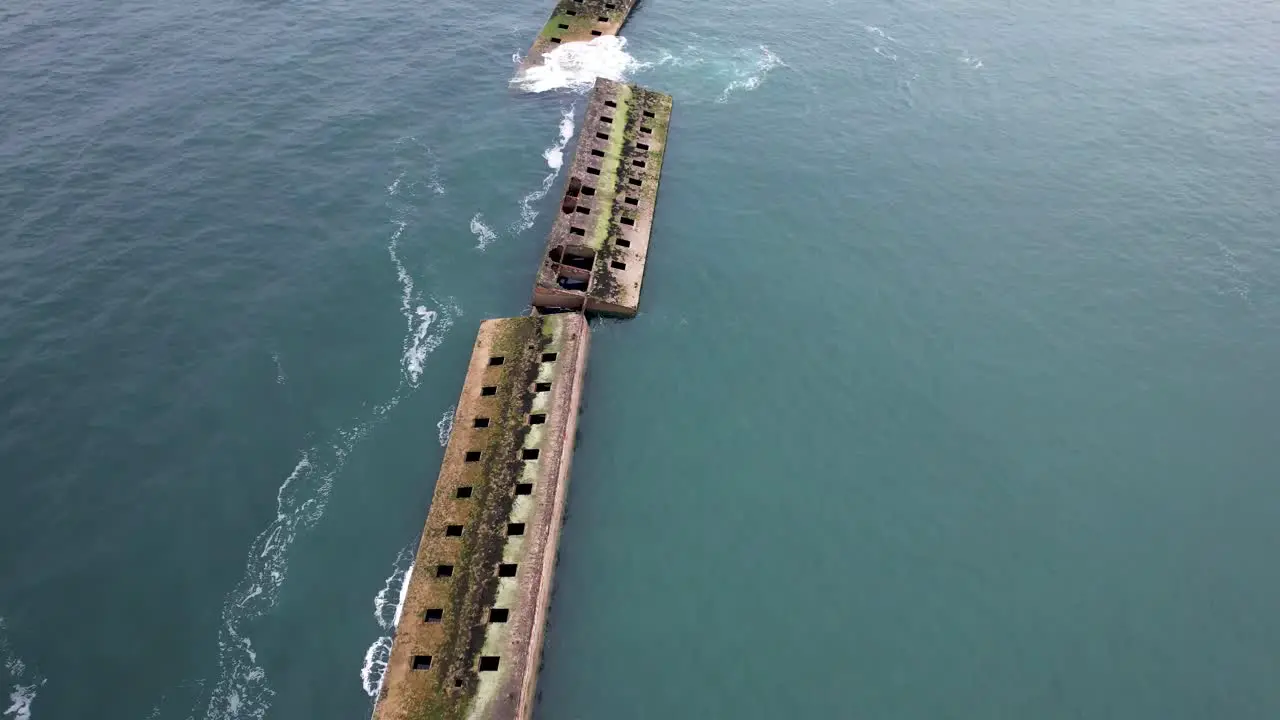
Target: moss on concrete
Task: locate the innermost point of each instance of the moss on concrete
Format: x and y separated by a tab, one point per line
453	688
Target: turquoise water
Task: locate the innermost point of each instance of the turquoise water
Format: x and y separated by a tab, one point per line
952	395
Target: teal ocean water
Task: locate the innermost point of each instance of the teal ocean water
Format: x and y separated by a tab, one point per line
953	393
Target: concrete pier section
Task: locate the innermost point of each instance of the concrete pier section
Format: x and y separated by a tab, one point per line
471	628
599	242
578	21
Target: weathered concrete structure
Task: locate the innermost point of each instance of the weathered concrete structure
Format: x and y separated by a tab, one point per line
471	628
599	241
578	21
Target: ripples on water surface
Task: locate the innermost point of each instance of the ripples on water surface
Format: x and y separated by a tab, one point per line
950	394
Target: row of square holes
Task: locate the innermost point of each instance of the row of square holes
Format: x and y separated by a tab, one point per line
595	33
616	264
496	615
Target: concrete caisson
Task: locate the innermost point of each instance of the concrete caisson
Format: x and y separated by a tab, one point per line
578	21
471	627
599	241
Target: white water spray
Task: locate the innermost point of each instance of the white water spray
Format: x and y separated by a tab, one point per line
575	66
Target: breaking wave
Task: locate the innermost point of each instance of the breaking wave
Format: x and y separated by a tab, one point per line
575	66
23	683
388	617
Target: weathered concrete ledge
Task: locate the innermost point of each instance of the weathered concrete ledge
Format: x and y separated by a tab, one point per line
599	241
578	21
471	628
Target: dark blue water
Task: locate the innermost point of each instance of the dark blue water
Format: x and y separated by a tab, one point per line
952	394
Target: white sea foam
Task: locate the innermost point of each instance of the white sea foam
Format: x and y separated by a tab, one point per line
23	683
426	328
554	156
374	667
20	699
395	584
444	428
280	377
873	30
750	78
241	690
484	234
575	66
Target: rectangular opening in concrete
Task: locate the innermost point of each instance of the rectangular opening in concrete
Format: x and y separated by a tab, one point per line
453	531
642	146
515	529
464	492
489	390
602	135
633	201
635	181
628	221
593	171
542	387
618	265
606	120
421	662
482	422
555	40
649	114
524	489
602	19
472	456
497	360
577	231
588	190
597	153
623	243
548	357
488	663
597	33
575	256
507	570
529	453
433	615
570	12
583	209
610	103
572	283
639	163
444	571
562	26
537	418
498	615
611	6
646	130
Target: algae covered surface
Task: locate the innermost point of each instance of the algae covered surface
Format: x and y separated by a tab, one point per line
453	687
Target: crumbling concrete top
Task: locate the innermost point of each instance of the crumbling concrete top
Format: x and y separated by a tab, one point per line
599	241
471	628
578	21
